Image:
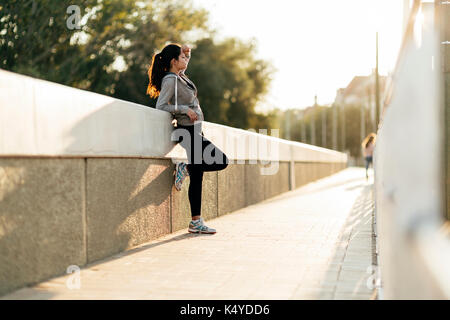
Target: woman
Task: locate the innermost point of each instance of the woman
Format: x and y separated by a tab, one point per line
177	94
368	146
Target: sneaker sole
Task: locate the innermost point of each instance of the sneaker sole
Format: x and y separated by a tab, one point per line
197	231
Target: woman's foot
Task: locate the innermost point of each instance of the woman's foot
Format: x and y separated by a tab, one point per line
197	226
181	173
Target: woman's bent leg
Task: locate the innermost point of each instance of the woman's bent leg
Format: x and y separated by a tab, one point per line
213	158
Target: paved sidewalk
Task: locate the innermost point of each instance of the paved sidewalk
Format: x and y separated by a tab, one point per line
311	243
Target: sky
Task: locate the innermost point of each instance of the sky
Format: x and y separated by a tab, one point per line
316	46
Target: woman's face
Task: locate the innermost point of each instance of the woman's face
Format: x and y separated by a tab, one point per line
181	63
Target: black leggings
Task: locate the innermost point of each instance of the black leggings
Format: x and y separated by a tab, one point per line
199	160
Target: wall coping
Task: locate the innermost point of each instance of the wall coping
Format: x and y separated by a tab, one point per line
47	119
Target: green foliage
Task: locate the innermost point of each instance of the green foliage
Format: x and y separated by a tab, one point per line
35	40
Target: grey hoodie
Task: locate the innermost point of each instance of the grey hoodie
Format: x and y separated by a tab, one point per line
186	97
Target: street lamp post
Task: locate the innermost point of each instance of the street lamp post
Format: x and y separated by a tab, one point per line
313	122
324	128
343	127
377	87
335	127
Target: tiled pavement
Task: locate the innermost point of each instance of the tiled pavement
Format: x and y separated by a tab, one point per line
311	243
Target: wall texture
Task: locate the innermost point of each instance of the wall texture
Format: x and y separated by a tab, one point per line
60	212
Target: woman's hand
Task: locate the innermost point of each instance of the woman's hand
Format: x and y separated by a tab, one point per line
187	50
192	115
187	53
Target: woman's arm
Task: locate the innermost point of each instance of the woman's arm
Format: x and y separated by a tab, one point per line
187	52
166	94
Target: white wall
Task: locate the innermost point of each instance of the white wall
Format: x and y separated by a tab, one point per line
408	160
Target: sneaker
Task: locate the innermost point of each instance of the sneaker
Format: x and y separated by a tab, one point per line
197	226
181	173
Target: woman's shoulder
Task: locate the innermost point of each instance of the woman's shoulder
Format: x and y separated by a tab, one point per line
166	79
169	75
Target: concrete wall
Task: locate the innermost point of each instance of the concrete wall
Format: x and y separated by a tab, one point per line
42	219
81	184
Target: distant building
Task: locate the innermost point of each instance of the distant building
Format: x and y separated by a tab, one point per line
361	91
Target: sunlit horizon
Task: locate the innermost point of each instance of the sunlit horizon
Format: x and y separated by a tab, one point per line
316	47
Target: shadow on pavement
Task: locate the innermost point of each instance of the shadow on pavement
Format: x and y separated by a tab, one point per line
347	274
152	244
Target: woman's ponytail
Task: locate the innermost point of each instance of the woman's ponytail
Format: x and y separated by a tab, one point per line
160	66
155	75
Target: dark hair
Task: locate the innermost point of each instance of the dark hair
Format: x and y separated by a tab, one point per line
369	142
160	66
371	138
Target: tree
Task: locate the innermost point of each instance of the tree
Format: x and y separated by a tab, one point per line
35	40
